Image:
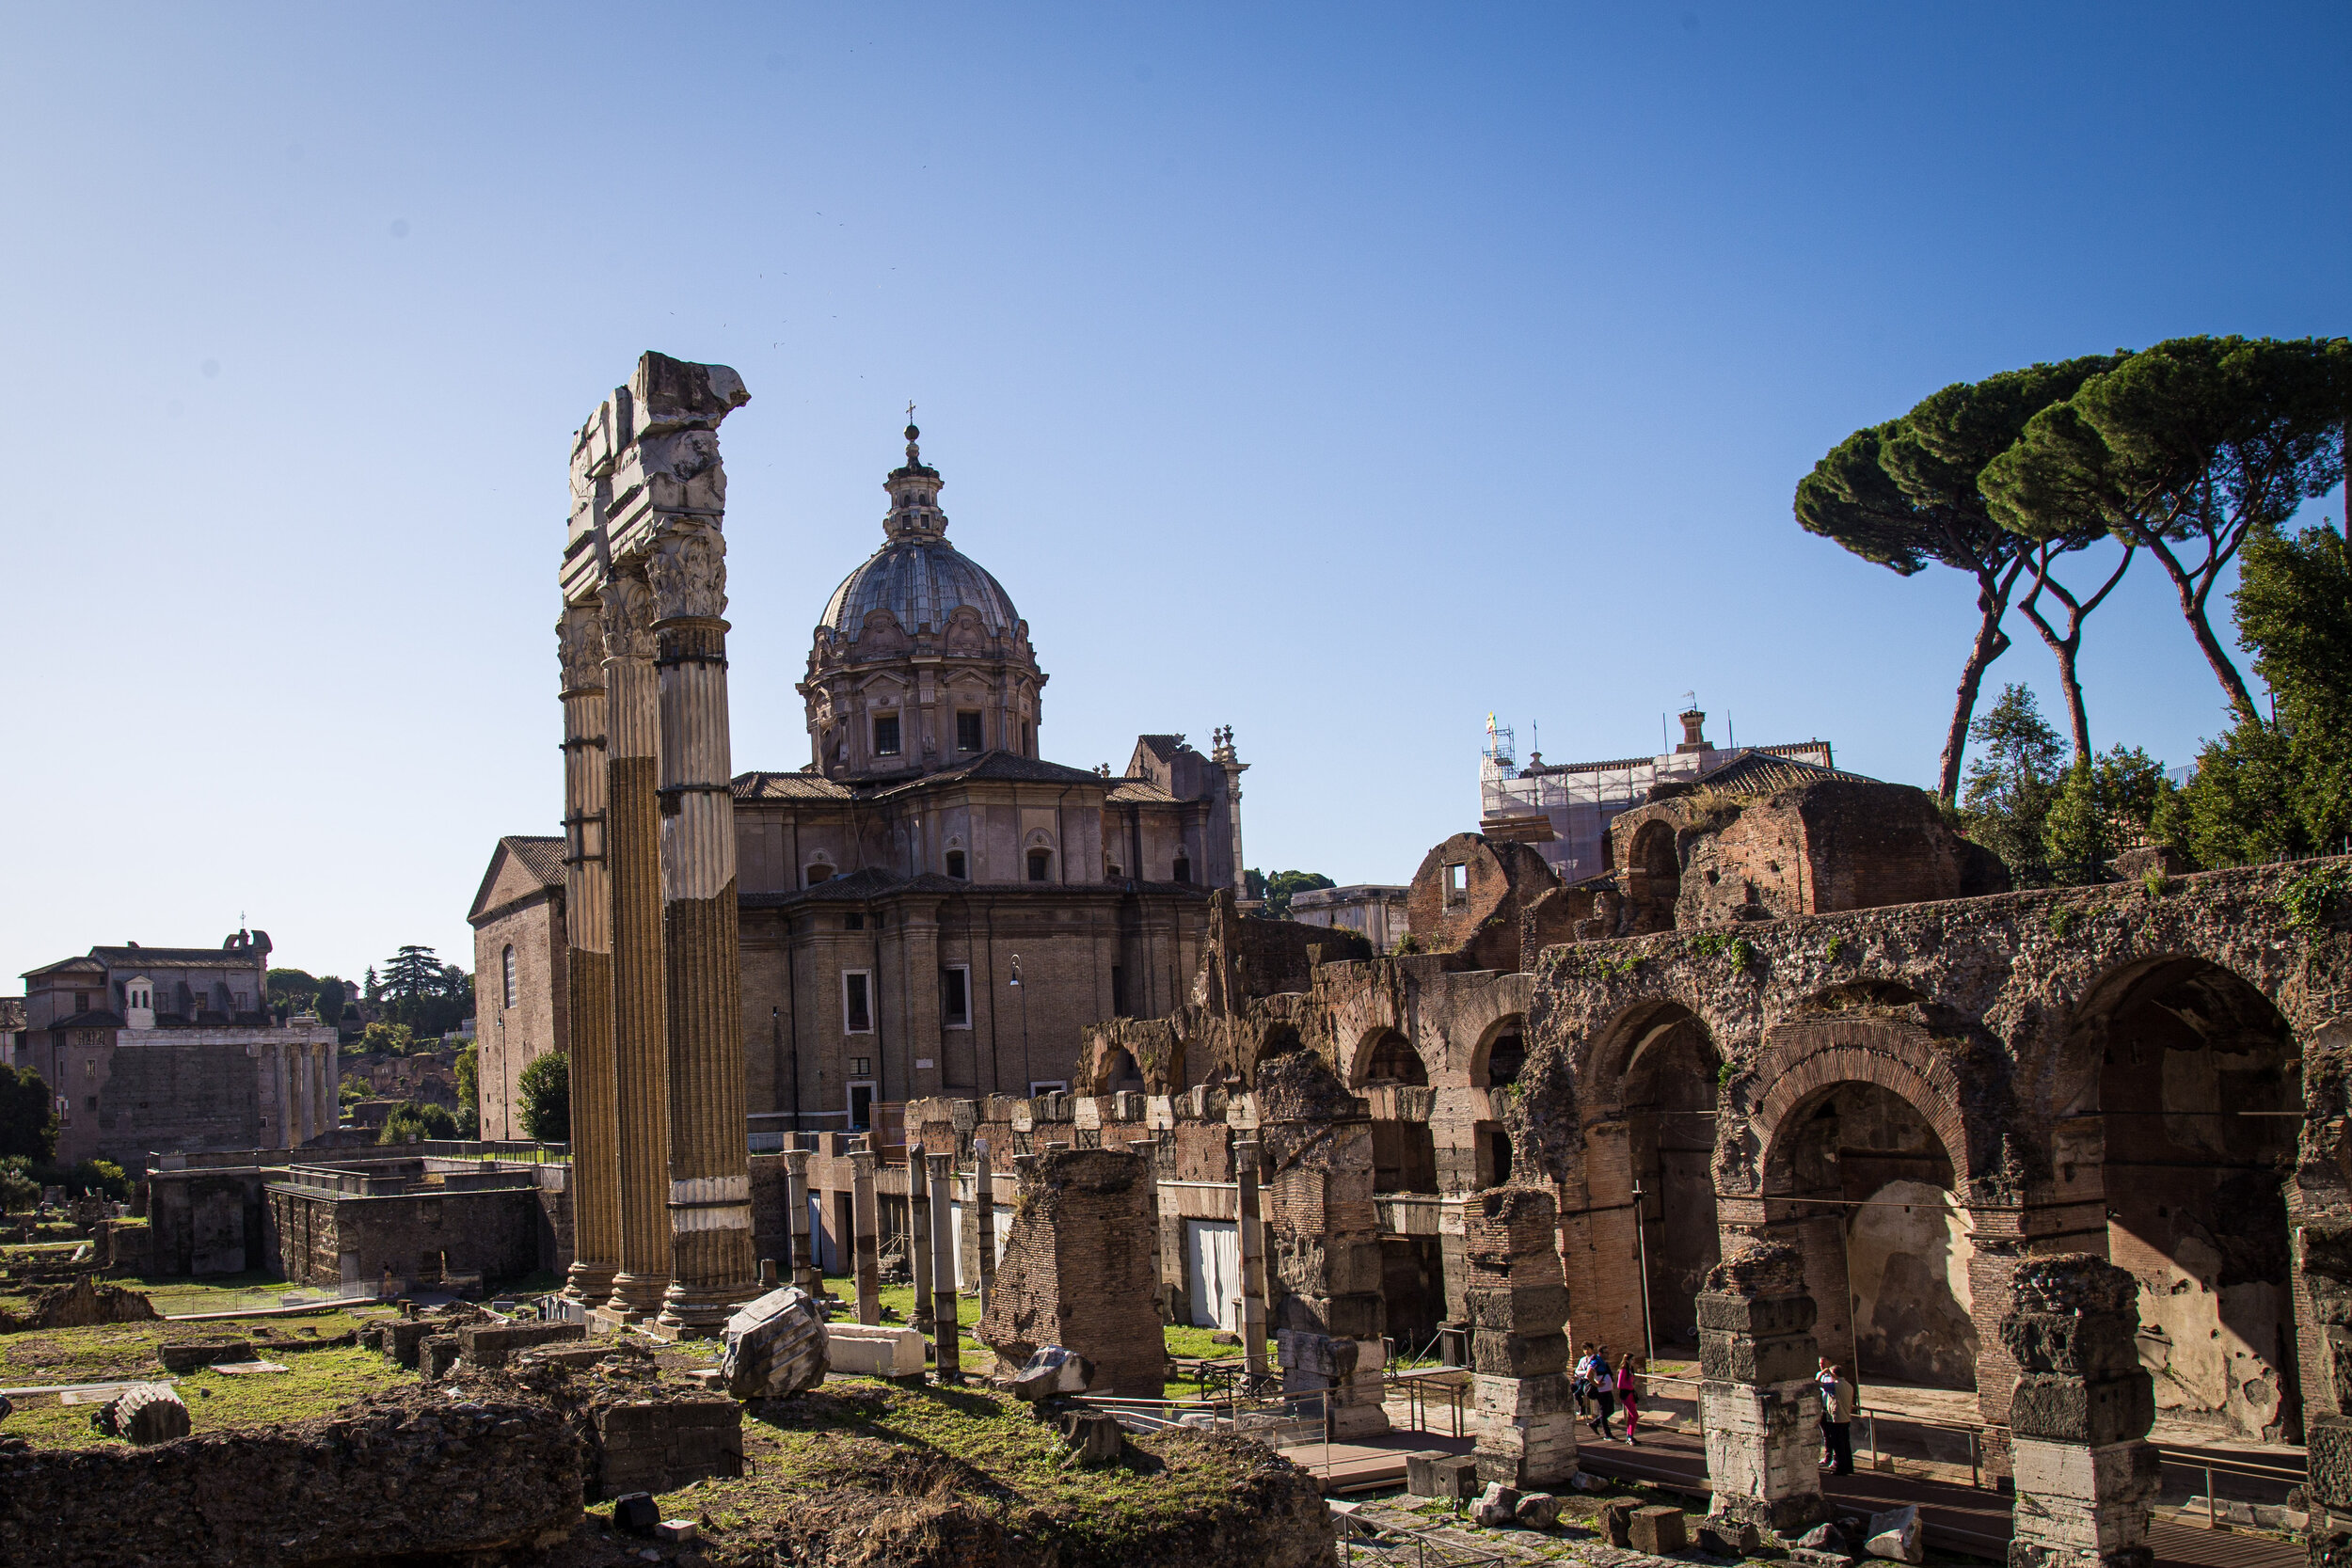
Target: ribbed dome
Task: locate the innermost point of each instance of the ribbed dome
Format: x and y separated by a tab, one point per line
921	582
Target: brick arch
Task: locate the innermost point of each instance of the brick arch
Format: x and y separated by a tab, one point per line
1608	1049
1494	1031
1805	1060
1359	1061
2076	1065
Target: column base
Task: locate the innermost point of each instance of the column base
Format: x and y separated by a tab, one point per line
590	1283
701	1311
636	1295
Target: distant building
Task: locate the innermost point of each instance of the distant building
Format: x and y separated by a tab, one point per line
11	1027
1564	809
521	1009
1373	909
171	1049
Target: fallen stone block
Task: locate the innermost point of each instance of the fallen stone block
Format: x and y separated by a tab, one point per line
495	1344
1617	1521
1723	1537
873	1350
1093	1436
1497	1505
1658	1530
1896	1535
1815	1557
150	1413
776	1344
436	1355
1435	1473
636	1513
1053	1371
677	1531
574	1356
186	1355
1537	1511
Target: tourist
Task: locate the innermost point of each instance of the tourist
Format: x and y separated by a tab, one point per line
1630	1393
1581	1383
1604	1381
1837	1408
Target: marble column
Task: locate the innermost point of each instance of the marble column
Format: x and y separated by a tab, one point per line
633	865
984	1221
709	1196
306	1103
866	1246
919	1237
804	1271
595	1176
944	1314
1250	1239
286	1138
1758	1403
2086	1479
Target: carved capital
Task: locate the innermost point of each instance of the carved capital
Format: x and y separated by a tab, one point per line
687	570
628	618
579	647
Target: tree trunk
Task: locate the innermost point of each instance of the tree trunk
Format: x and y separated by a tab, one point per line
2193	609
1990	643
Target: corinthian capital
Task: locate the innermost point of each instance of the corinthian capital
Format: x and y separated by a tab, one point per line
579	647
627	617
687	570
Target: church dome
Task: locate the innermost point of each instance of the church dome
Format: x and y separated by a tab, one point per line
917	577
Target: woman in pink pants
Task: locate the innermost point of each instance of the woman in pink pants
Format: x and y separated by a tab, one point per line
1630	1392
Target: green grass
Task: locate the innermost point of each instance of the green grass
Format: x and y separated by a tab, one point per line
315	1383
890	1462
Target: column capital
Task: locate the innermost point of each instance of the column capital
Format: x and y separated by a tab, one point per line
625	616
579	647
687	569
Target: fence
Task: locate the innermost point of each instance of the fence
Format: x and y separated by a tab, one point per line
1296	1426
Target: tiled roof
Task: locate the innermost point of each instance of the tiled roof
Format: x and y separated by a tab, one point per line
1164	747
542	857
94	1018
1758	772
155	958
787	786
1131	792
1005	767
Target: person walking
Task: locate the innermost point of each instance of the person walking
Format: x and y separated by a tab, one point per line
1604	1395
1630	1394
1581	1383
1837	1408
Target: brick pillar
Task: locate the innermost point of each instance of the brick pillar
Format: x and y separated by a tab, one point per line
1524	1422
1998	1248
1758	1403
596	1177
1079	1269
633	861
944	1313
2086	1481
1322	1242
804	1272
866	1245
920	1236
1249	1230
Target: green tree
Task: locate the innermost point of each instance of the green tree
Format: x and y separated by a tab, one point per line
18	1190
545	1090
2013	781
468	1075
395	1039
1904	494
2101	807
2271	790
1278	890
329	1000
2185	450
290	989
28	1116
424	1121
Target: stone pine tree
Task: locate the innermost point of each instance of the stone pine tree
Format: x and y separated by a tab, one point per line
1904	494
2182	450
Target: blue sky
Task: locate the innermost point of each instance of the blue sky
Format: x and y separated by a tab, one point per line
1339	374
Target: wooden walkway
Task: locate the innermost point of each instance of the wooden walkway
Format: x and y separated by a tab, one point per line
1959	1518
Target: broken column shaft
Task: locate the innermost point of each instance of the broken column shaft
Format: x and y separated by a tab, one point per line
2086	1481
804	1272
1323	1241
919	1238
1759	1402
1519	1306
1249	1227
983	1221
866	1246
945	1315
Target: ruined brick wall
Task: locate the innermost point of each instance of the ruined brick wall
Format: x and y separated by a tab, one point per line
1081	1269
326	1238
402	1475
1482	918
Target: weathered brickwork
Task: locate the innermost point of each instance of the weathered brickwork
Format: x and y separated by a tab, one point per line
1080	1268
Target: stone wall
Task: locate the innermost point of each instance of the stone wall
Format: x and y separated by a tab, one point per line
1080	1270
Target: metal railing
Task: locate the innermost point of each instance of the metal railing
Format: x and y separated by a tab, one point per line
1420	1546
1287	1423
2227	1465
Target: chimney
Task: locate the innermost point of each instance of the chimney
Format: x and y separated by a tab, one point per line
1693	739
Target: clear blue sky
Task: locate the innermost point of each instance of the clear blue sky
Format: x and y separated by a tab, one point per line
1339	373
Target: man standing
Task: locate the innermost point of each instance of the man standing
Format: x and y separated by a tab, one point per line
1837	1408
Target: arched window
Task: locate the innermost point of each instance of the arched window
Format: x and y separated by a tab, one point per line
1183	867
506	971
955	864
818	872
1041	865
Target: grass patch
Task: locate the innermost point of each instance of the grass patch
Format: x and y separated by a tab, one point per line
316	1383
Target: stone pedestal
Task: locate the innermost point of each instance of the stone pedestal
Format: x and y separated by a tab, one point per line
1523	1416
1758	1403
2086	1481
1323	1242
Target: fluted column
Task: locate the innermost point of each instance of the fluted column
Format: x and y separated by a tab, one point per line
804	1271
633	864
711	1265
588	962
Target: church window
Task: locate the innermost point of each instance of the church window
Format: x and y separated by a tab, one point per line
89	1069
1183	867
1028	738
1119	992
886	734
857	1002
967	732
955	864
818	872
506	972
853	922
956	996
81	1002
1040	863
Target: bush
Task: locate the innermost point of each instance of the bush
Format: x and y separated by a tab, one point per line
28	1116
545	1092
412	1119
18	1190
